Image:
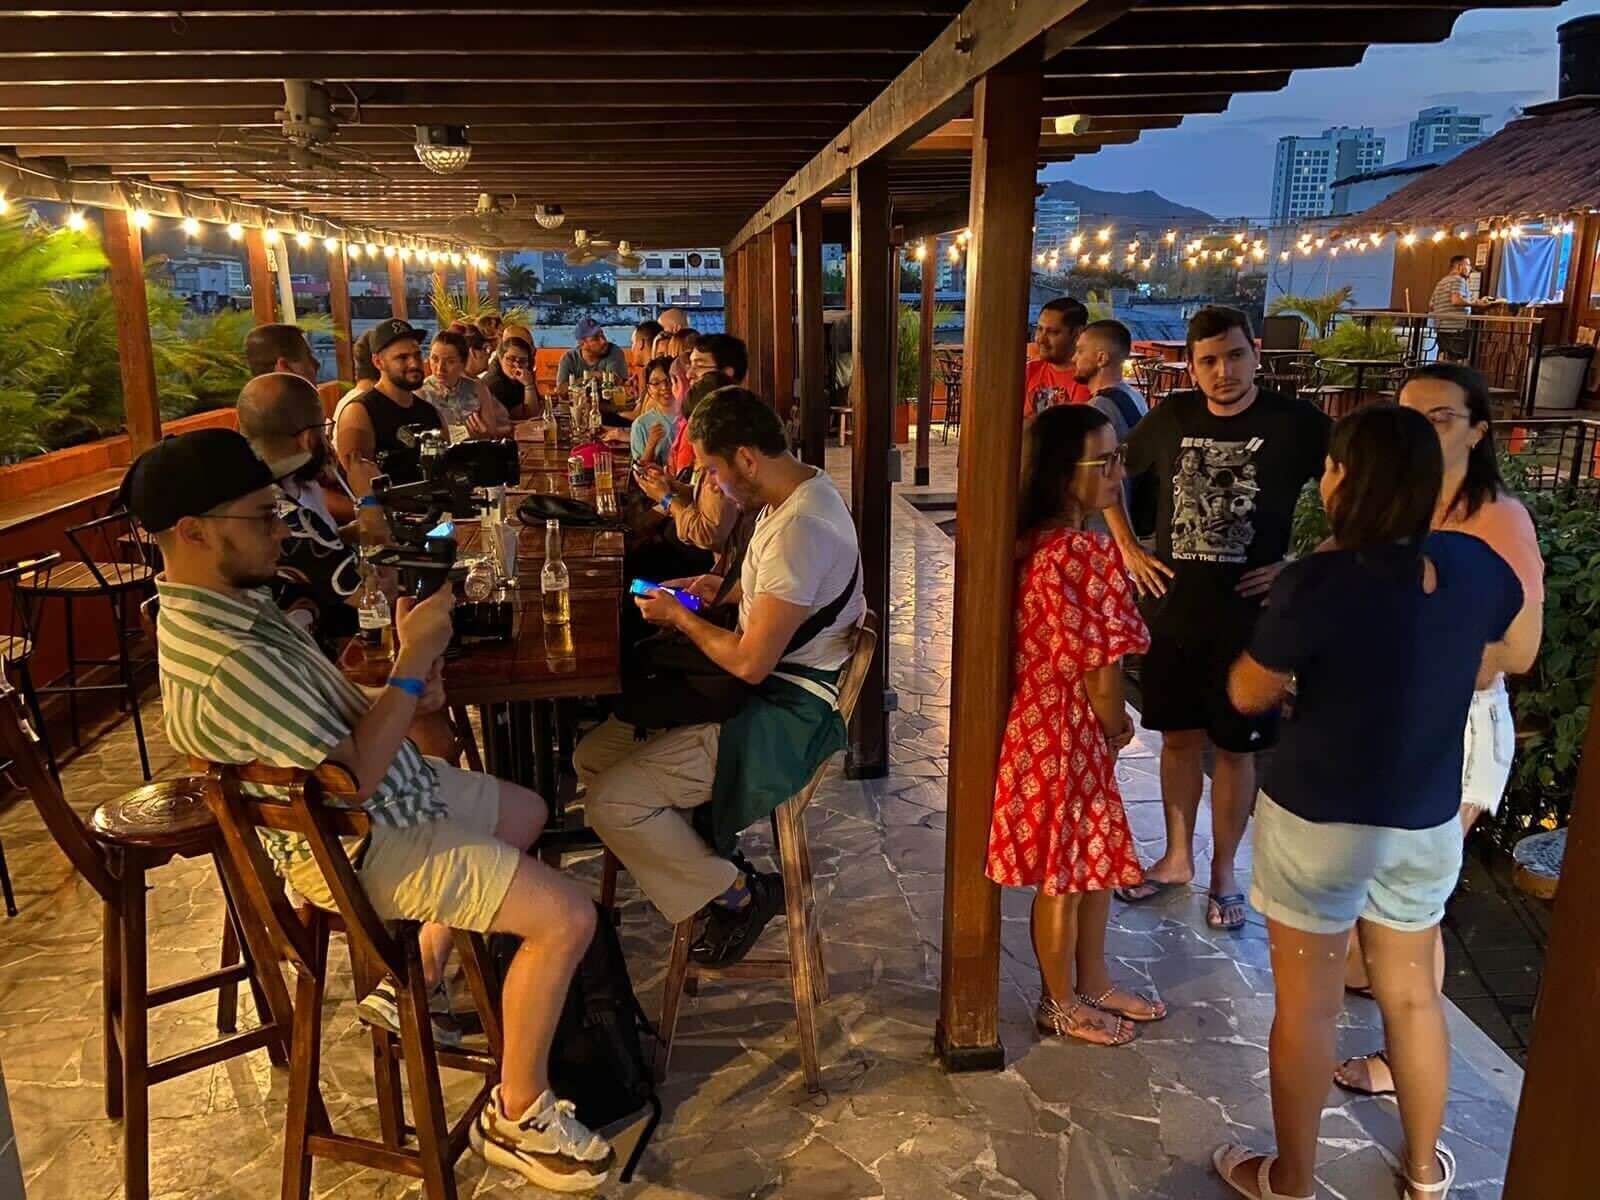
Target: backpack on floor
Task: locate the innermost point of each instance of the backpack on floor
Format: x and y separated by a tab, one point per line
597	1059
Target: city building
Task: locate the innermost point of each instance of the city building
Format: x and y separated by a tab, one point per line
682	278
206	281
1055	222
1444	126
1358	192
1305	168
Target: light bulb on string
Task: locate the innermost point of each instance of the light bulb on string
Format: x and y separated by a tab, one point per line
372	250
1105	260
1410	239
140	218
76	221
1104	235
5	205
955	252
355	251
1076	244
1438	236
302	240
269	235
191	227
331	245
235	231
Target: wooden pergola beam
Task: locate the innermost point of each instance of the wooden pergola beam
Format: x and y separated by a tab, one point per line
263	304
932	90
397	287
1320	26
136	358
339	308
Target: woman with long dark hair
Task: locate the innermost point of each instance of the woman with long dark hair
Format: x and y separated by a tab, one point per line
1058	823
1383	633
1473	500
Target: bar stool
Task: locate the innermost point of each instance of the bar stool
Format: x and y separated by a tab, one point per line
123	841
116	561
951	363
297	802
802	966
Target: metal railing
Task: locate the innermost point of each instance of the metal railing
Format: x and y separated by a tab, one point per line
1554	455
1506	349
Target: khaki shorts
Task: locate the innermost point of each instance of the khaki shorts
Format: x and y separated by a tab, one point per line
453	871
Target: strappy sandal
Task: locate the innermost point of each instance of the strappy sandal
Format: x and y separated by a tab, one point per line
1054	1021
1158	1009
1383	1057
1226	1160
1434	1191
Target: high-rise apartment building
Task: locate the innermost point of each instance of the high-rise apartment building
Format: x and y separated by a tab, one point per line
1054	224
1306	166
1444	126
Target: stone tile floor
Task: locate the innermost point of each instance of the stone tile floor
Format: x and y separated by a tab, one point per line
1060	1120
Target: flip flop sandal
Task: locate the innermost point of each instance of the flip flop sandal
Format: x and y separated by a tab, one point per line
1420	1191
1217	905
1226	1160
1383	1057
1158	1009
1054	1021
1159	888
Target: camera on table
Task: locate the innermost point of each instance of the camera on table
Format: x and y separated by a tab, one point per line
428	477
424	569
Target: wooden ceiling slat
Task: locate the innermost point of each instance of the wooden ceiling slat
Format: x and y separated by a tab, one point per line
1090	62
398	141
646	34
479	120
1331	25
1058	87
718	9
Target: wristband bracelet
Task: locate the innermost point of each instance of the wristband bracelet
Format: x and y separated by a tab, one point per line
367	502
409	684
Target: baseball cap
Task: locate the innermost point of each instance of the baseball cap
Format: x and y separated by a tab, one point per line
588	327
386	333
191	474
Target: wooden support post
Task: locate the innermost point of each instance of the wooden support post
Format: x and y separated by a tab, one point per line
749	317
930	273
472	283
872	398
280	263
339	307
782	324
1552	1150
1005	146
262	302
494	283
761	323
732	293
136	358
812	331
397	287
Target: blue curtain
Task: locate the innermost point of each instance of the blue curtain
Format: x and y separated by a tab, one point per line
1530	265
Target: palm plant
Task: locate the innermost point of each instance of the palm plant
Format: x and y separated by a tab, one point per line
1316	311
519	279
450	307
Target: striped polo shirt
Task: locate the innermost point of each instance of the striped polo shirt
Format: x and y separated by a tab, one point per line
1439	302
241	684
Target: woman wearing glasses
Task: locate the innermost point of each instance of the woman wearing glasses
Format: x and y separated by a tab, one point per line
1473	500
1058	823
655	426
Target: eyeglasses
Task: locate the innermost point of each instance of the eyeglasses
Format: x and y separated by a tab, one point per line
1444	416
326	426
1107	463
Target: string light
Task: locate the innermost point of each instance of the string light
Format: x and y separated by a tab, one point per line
1076	244
455	259
302	240
388	251
1409	239
1105	260
1172	236
355	250
1238	239
1104	235
235	231
330	244
1133	245
1438	235
372	250
5	205
1283	256
76	221
191	227
140	219
269	235
955	252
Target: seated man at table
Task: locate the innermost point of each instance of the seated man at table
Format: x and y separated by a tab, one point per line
592	353
269	348
369	426
1049	379
241	684
799	600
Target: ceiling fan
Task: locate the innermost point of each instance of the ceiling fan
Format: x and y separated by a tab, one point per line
496	221
588	249
304	149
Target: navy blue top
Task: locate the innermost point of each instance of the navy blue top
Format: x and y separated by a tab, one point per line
1384	678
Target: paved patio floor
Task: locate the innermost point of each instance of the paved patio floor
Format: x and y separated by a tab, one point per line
1062	1120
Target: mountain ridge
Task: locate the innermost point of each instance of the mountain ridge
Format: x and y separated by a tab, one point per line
1142	205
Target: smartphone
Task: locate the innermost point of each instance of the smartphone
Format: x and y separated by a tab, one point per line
643	587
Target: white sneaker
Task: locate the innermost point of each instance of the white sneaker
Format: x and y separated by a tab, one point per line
380	1007
547	1145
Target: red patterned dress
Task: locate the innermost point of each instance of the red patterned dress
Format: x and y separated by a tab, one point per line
1058	817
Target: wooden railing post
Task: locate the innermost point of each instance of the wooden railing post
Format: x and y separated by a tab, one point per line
1552	1150
263	304
782	323
1005	146
872	398
136	358
397	286
811	332
930	273
339	307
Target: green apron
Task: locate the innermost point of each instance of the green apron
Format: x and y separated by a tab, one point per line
772	748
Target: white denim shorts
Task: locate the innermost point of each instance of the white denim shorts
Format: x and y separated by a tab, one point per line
1324	876
1491	745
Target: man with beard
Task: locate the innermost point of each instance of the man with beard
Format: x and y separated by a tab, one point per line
271	348
1229	461
370	424
241	684
1097	364
799	600
1048	379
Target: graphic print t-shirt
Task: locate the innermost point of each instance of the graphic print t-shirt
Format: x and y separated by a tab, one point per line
1226	489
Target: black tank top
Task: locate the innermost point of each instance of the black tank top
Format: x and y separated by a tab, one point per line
388	418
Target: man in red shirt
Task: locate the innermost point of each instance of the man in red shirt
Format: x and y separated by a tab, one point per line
1049	379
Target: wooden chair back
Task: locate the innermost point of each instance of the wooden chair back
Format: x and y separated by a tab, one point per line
298	802
20	744
116	549
19	637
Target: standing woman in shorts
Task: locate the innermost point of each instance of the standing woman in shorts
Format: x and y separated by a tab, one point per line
1059	824
1475	501
1384	634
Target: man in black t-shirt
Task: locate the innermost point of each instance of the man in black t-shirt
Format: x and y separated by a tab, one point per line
1230	460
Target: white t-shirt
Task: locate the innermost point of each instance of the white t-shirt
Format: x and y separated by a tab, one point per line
804	552
360	389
